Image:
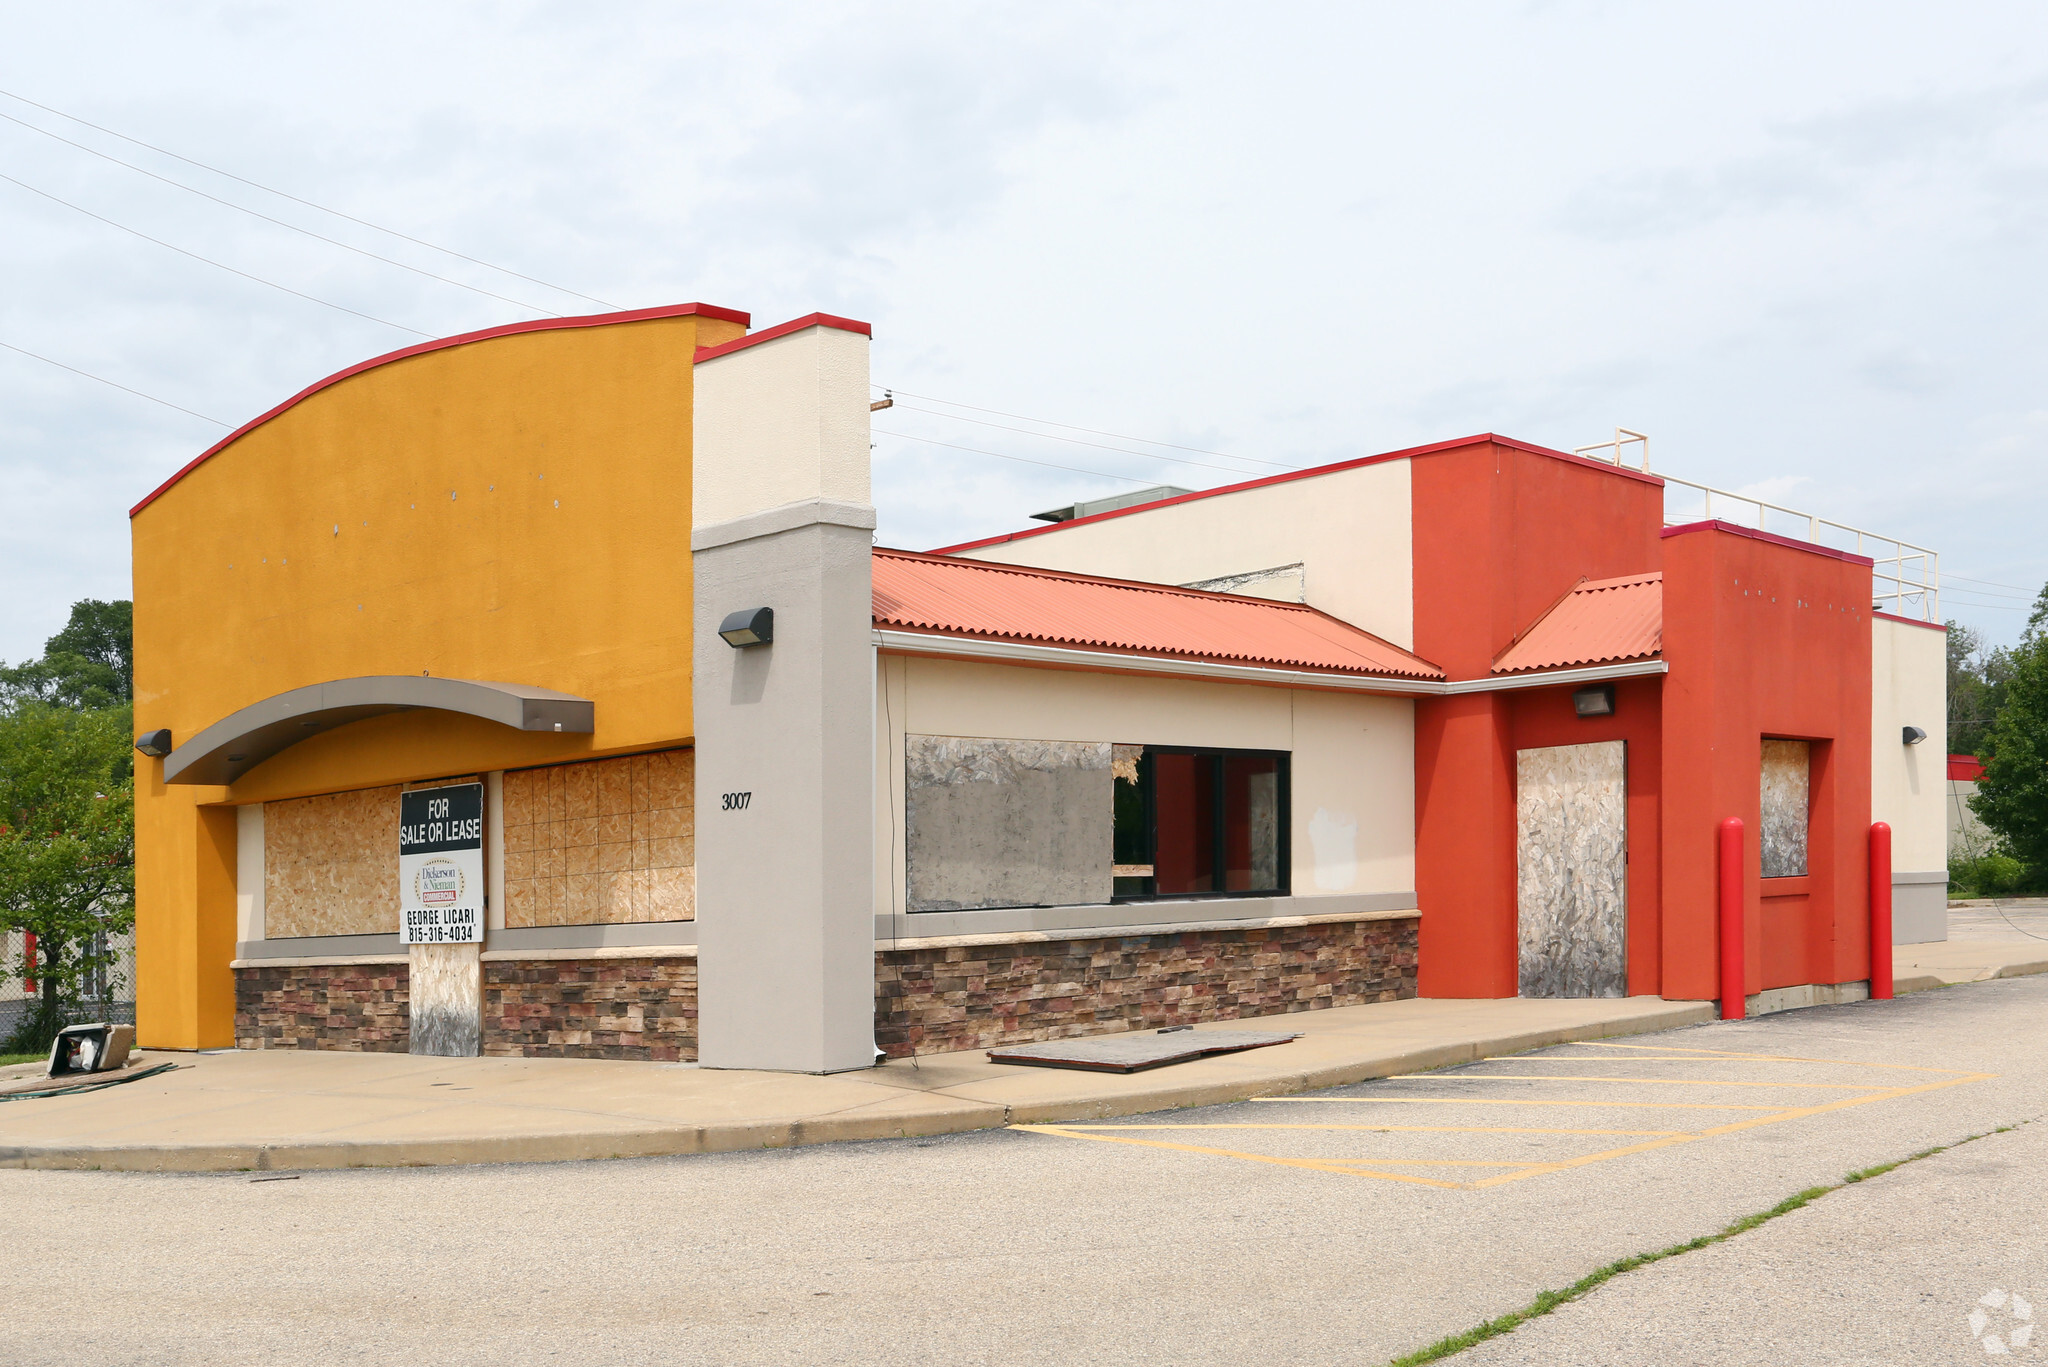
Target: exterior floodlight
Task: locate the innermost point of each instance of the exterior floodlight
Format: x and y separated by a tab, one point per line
155	744
1597	701
1914	735
748	627
96	1048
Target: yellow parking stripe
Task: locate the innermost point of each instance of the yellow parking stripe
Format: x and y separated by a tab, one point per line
1516	1101
1640	1081
1735	1057
1312	1164
1371	1129
1732	1127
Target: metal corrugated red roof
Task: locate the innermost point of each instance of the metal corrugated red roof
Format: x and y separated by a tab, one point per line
1597	622
994	601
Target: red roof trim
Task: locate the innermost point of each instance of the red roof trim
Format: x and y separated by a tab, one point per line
809	320
1260	483
1716	525
588	320
1909	621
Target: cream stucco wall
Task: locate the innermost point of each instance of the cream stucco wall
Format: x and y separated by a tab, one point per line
1350	530
1908	783
779	422
1353	765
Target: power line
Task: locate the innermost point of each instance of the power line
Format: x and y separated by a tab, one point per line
241	208
1148	455
1991	588
1048	422
104	380
268	190
209	260
1100	474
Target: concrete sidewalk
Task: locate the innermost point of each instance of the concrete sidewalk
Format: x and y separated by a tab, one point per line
234	1110
1985	941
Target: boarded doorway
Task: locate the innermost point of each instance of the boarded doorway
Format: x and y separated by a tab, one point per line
1571	884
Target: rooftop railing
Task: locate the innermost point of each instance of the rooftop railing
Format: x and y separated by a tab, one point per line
1905	578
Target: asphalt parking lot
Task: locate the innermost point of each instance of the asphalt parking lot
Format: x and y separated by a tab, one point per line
1348	1226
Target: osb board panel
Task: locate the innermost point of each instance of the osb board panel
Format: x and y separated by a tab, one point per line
1006	823
1571	881
1786	764
446	999
604	842
330	864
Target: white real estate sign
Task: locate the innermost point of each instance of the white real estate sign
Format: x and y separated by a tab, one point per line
441	865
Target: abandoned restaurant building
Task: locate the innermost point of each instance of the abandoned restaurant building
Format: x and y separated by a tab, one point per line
541	691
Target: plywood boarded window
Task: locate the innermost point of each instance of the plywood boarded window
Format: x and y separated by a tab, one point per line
1005	823
330	865
1571	870
1787	769
602	842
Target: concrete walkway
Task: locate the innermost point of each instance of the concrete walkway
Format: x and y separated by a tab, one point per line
1985	941
230	1110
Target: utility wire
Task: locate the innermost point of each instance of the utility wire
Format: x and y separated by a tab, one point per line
268	190
209	260
104	380
1095	432
1100	474
1148	455
1991	588
240	208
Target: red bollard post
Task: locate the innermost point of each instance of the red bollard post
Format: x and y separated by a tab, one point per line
1734	964
1880	911
28	954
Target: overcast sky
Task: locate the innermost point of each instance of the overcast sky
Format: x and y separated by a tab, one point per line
1801	246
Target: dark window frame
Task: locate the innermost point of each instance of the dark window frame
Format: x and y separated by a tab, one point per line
1284	825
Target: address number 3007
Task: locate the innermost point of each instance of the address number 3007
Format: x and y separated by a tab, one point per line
734	802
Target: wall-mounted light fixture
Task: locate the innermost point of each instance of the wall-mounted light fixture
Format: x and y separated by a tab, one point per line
155	744
1595	701
1914	735
748	627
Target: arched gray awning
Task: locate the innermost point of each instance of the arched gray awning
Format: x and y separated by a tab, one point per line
235	744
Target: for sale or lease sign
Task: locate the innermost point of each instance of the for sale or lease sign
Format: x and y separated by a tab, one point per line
441	865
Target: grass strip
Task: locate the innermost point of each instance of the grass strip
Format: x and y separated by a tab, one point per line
6	1059
1550	1300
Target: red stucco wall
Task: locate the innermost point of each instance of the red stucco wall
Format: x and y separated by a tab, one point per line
1764	638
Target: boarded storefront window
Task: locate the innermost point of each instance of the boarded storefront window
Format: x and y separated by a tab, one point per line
602	842
1787	766
330	865
1193	823
1005	823
1571	870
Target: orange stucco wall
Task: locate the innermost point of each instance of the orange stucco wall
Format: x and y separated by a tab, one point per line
515	508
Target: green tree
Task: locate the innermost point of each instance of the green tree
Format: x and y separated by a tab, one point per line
89	664
67	854
1976	687
2012	796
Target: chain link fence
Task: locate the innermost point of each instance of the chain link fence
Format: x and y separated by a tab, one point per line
109	994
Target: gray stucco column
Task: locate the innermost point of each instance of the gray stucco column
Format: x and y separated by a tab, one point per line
785	747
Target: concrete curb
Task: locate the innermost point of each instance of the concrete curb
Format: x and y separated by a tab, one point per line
959	1117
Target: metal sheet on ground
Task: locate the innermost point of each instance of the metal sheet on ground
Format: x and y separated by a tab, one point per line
1134	1053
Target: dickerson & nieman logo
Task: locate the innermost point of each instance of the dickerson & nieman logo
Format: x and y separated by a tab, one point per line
438	883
